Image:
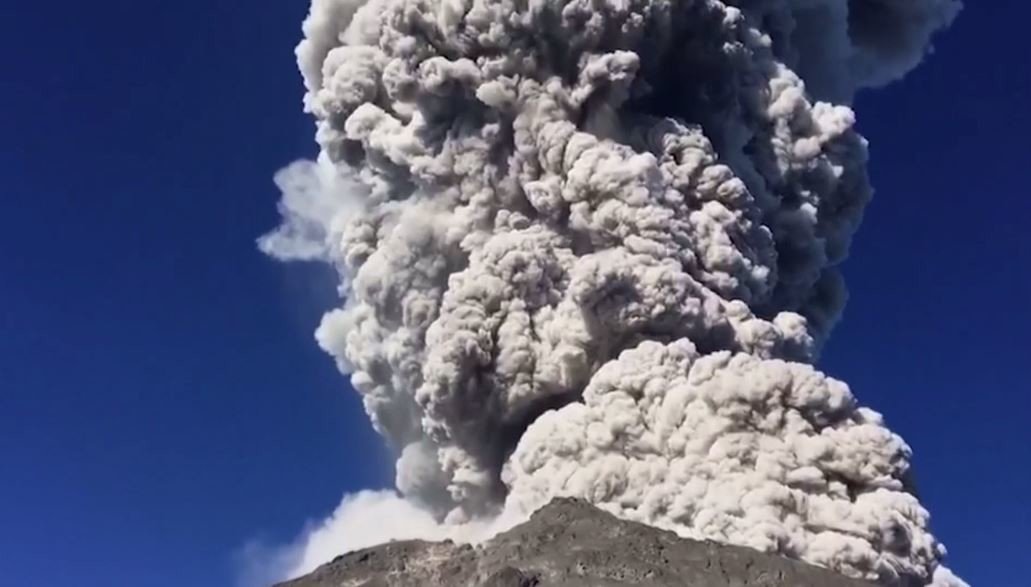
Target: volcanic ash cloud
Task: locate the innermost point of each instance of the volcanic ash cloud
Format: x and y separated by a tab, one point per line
588	248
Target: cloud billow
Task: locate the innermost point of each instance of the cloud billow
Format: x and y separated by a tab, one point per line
590	249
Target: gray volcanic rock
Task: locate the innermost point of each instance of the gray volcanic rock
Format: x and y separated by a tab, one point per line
569	543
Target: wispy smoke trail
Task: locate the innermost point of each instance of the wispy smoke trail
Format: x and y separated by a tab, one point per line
588	248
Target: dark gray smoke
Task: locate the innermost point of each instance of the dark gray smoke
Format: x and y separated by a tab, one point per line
588	248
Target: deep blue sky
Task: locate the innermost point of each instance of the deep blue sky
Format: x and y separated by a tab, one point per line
162	401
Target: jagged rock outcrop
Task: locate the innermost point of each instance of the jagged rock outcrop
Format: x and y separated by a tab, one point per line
569	543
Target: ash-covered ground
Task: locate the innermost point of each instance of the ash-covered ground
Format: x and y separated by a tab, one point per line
572	544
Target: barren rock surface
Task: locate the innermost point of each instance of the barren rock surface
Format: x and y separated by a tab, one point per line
571	544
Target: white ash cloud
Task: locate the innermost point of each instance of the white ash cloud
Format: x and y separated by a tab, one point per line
361	520
590	248
316	197
730	447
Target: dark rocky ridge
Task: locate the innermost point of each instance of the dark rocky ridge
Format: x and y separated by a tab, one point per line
569	543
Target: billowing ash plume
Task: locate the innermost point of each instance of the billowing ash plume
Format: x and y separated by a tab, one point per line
588	248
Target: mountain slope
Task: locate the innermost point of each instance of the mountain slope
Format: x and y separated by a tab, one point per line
569	543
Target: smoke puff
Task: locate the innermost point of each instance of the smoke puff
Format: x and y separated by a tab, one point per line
839	47
361	520
590	248
729	447
315	195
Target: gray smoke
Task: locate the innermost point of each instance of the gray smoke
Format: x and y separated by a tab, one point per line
588	248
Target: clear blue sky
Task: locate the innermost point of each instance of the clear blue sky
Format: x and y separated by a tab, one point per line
162	401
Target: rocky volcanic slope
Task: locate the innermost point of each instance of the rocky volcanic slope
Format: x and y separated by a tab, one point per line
572	544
